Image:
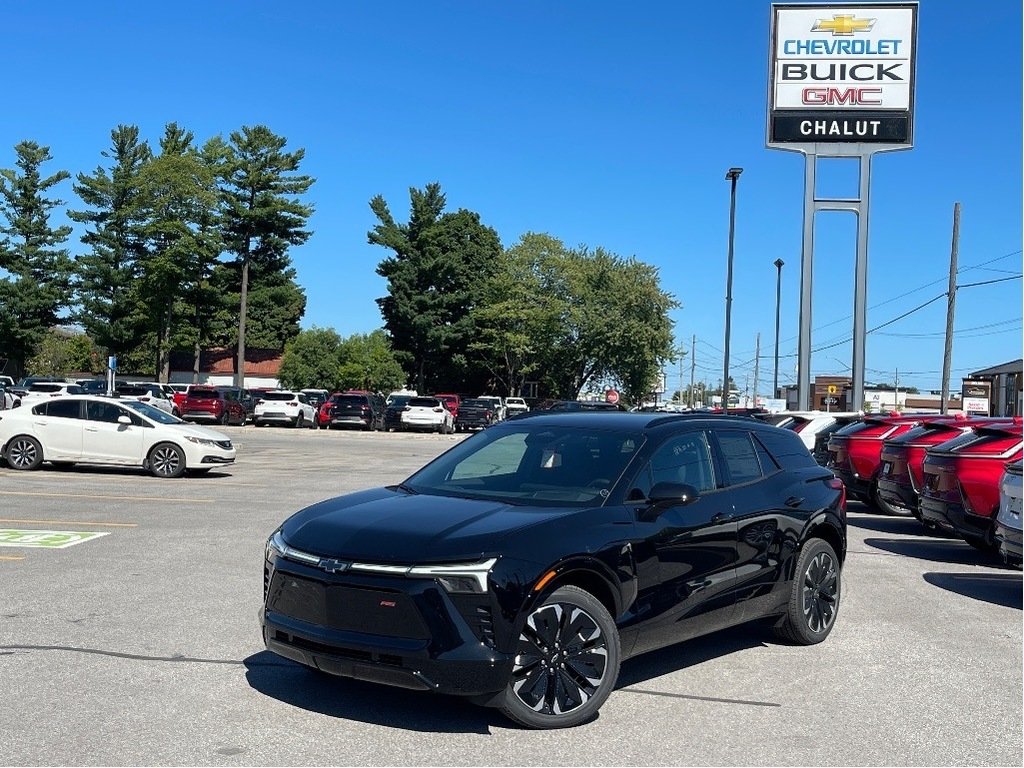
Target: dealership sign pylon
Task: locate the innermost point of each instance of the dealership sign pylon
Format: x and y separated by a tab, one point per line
840	84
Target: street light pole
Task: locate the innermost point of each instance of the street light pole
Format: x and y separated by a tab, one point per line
732	175
778	299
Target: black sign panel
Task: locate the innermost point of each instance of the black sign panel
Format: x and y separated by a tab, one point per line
840	127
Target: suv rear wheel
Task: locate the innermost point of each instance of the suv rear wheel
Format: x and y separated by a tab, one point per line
814	597
566	664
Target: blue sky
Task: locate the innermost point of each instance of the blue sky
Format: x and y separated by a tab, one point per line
602	123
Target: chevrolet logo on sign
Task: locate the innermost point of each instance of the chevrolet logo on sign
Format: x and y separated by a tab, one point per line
844	25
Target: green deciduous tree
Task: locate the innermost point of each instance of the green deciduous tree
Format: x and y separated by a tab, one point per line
262	216
109	305
311	359
368	362
60	353
517	321
37	288
436	279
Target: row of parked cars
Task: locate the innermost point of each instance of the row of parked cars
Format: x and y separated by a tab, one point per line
957	474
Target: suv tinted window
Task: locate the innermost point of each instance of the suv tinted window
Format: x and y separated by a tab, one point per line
682	459
786	448
740	457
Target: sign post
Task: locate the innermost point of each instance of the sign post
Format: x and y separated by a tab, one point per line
840	85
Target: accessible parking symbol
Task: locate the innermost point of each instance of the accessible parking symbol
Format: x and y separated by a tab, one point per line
13	537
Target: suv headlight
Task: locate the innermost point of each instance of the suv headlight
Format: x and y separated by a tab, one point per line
458	577
275	546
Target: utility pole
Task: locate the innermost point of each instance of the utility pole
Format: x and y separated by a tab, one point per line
693	366
947	358
757	361
896	396
778	300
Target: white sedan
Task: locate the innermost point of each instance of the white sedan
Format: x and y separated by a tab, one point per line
284	407
98	430
428	413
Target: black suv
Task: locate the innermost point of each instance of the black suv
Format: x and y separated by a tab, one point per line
523	565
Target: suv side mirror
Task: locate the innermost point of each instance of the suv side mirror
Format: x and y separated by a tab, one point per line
662	496
678	493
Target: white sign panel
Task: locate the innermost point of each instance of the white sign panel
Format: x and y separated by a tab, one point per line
975	405
842	73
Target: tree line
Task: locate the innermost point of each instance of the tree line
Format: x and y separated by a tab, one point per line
186	247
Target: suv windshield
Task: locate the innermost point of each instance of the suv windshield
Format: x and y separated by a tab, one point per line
563	466
424	402
204	394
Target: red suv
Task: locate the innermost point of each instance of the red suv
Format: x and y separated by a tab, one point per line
210	404
901	476
961	480
854	452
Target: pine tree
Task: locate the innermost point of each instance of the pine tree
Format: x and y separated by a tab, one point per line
109	304
37	288
262	217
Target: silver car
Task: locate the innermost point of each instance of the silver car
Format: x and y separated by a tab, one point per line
1008	526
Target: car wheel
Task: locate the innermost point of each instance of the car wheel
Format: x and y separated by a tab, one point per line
566	664
814	595
24	452
882	505
176	413
299	421
166	460
223	420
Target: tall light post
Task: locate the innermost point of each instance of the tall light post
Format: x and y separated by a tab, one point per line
778	300
732	175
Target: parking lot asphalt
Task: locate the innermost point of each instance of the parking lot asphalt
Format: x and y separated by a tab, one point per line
141	646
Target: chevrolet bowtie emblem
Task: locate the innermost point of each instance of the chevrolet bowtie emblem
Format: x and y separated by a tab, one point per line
333	566
843	25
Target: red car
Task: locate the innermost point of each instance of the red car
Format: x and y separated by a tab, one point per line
901	476
855	450
960	490
210	404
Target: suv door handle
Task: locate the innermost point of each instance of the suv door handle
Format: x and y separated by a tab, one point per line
794	501
721	517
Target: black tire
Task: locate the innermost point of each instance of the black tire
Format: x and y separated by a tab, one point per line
883	506
565	669
300	421
24	452
814	596
986	544
62	465
223	420
166	460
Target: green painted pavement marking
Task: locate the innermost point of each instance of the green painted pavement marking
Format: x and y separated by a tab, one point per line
15	537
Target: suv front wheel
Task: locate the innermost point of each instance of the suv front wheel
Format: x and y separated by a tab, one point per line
567	662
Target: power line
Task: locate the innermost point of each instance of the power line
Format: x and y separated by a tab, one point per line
990	282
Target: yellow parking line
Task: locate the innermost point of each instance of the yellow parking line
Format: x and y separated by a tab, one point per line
98	496
12	557
67	522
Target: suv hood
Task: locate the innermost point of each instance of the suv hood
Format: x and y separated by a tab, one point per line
391	526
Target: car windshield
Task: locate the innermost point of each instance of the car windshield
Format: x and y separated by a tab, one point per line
530	464
280	396
154	414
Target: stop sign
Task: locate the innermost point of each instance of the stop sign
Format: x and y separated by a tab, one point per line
612	396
